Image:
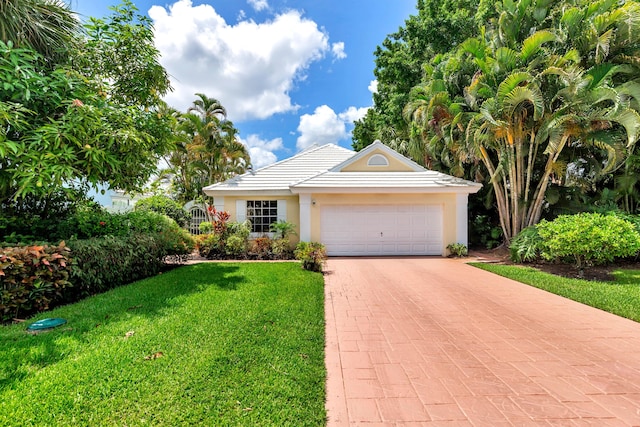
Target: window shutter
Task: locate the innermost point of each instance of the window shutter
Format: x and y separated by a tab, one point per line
241	210
282	210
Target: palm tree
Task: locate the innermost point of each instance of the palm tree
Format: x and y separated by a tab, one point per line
207	149
530	96
47	26
207	107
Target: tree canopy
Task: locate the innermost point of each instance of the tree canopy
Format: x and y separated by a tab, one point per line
69	118
546	94
207	149
47	26
439	26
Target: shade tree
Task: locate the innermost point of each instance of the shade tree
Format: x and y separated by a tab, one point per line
70	118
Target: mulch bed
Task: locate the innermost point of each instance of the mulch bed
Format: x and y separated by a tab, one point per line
600	273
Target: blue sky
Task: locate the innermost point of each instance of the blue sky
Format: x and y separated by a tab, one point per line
290	73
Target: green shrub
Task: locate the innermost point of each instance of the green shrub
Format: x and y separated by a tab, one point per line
311	254
588	238
281	249
485	232
210	246
205	227
240	229
174	240
91	223
166	206
237	238
36	218
103	263
32	279
633	219
457	249
525	247
235	245
283	229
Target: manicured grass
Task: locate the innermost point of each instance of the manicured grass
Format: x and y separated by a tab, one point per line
621	297
209	344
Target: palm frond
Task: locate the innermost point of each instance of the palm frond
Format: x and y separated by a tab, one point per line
603	94
521	95
507	58
486	111
474	47
560	128
512	81
630	89
613	144
603	45
47	26
534	42
599	73
630	120
571	20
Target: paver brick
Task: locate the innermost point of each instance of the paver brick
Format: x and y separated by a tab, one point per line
435	342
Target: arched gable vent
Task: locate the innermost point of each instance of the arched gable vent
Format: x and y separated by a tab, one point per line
378	160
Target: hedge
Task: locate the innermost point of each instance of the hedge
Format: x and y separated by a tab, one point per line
37	278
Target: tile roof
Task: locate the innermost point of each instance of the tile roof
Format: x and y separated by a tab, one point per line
316	169
281	175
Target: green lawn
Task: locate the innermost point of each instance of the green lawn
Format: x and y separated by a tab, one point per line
210	344
621	297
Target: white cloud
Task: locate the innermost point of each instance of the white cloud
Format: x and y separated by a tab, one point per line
249	67
352	114
324	126
373	86
258	5
338	50
261	151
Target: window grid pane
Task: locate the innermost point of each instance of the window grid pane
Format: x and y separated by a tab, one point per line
262	213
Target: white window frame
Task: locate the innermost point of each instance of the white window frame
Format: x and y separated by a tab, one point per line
242	213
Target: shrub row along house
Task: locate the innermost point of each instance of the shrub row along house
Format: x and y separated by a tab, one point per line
374	202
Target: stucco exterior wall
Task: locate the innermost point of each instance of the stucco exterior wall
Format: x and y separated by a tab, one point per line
293	209
448	202
395	165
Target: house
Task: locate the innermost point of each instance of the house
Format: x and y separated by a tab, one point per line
372	202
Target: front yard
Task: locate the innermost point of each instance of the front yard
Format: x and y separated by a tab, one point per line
208	344
620	296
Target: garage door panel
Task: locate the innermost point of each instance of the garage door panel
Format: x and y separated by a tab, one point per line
382	229
404	234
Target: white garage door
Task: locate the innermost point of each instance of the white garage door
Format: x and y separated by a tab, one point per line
382	229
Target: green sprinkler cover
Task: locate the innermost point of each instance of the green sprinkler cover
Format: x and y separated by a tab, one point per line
46	324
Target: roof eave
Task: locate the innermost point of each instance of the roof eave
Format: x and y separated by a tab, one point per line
468	189
247	192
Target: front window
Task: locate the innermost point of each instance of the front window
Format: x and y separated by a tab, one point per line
262	213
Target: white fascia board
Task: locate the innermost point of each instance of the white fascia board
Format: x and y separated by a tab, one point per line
240	193
386	190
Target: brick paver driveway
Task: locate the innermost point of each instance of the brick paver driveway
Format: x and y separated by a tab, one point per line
435	342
